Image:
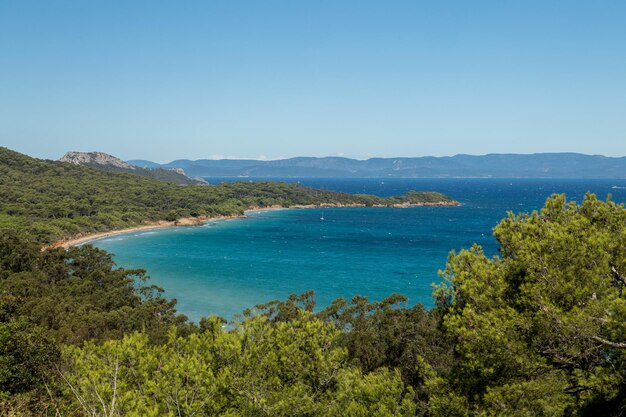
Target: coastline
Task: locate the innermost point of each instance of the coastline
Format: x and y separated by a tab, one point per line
161	224
197	221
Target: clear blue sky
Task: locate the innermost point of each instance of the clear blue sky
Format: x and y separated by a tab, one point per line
163	80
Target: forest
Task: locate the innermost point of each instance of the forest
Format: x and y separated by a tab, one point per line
539	330
50	199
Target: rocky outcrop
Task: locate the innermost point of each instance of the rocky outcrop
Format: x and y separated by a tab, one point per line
99	158
105	162
178	170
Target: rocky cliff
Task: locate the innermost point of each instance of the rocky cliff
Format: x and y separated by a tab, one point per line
100	158
105	162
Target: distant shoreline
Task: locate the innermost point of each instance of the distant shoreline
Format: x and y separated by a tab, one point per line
198	221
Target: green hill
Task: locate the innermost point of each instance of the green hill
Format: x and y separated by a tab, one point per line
105	162
161	174
52	200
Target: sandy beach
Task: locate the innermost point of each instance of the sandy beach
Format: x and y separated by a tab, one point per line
161	224
87	238
197	221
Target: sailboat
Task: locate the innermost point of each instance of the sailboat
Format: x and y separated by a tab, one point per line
322	218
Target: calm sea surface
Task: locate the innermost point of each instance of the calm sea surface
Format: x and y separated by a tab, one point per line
227	266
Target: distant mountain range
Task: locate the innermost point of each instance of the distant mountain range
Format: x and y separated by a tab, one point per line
540	165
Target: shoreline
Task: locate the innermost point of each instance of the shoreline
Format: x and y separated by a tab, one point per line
198	221
161	224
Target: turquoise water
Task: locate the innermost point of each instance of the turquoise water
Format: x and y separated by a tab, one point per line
224	267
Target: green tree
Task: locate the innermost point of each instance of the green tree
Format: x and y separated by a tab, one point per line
541	329
260	368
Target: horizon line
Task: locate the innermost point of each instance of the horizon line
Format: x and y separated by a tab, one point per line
234	158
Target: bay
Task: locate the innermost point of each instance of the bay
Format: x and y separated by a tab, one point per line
224	267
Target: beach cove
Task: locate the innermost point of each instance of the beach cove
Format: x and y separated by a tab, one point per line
223	267
86	238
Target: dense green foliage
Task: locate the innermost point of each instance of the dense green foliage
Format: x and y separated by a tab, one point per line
539	330
79	295
50	200
161	174
259	369
53	298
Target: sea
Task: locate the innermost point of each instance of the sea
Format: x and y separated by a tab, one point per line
224	267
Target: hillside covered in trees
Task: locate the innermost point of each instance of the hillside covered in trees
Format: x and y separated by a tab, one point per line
539	330
106	162
51	199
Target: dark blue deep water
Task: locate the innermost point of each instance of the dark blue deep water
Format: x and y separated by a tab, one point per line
227	266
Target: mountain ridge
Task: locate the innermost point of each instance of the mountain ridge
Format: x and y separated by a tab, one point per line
105	162
494	165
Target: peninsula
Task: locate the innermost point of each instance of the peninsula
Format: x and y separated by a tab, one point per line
58	202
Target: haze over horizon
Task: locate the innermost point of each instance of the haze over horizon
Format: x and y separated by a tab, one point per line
263	158
275	80
222	157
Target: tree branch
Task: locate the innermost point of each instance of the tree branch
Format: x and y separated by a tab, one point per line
619	345
617	275
117	367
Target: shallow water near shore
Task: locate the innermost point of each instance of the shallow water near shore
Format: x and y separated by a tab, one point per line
226	266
